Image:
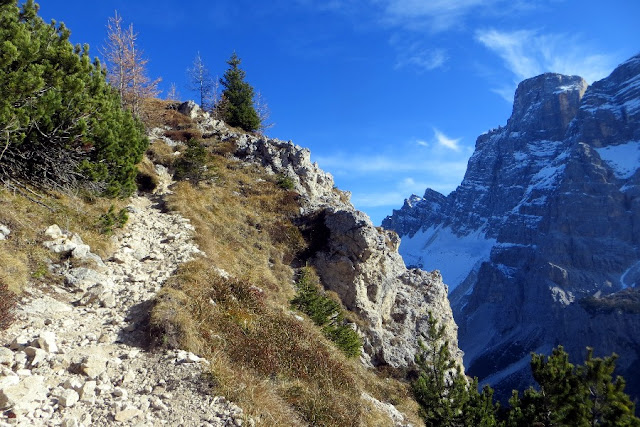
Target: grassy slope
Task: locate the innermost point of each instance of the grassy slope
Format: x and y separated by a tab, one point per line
280	369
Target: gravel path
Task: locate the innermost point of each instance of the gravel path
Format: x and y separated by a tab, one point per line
75	356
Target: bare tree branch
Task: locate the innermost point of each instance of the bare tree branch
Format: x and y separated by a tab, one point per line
126	66
263	111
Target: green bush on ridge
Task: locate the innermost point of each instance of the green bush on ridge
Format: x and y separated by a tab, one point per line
61	124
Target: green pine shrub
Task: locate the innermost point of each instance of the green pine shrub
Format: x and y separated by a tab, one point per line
285	182
566	395
192	164
112	219
326	313
573	395
441	389
61	123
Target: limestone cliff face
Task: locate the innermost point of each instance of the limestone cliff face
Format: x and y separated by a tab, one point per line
361	263
358	261
544	229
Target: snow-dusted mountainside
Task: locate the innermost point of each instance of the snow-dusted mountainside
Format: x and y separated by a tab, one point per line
540	244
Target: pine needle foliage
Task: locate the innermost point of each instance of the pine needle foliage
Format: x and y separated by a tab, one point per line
567	395
442	391
236	106
326	313
112	219
192	164
583	395
60	122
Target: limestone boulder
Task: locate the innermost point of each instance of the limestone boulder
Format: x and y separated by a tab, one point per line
4	232
190	109
25	395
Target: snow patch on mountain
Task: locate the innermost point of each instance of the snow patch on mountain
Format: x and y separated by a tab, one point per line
516	367
624	159
630	277
439	248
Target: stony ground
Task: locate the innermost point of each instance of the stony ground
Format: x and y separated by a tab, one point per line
76	355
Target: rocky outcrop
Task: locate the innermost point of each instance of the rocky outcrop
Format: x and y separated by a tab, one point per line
540	243
361	264
353	258
294	162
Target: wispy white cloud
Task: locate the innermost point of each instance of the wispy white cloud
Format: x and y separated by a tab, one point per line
403	188
423	59
445	141
528	53
380	182
433	15
363	164
379	199
506	92
341	164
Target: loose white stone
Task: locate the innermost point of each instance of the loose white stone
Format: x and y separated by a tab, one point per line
93	366
81	251
70	422
68	398
20	358
88	391
4	231
73	384
128	413
47	341
128	377
24	396
108	300
37	356
53	232
6	356
19	342
9	381
121	393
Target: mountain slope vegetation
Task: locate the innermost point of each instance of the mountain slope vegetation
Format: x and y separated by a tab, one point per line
278	343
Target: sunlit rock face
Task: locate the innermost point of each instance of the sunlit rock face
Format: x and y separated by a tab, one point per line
540	244
353	258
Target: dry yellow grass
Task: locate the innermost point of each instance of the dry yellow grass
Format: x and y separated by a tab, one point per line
275	366
244	225
147	179
159	112
23	255
281	370
161	153
23	258
14	272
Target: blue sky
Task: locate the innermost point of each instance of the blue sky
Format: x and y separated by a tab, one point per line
389	95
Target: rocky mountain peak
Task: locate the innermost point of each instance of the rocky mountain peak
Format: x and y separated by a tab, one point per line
539	244
545	105
609	113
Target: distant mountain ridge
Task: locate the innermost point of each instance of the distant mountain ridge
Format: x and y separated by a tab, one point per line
540	244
